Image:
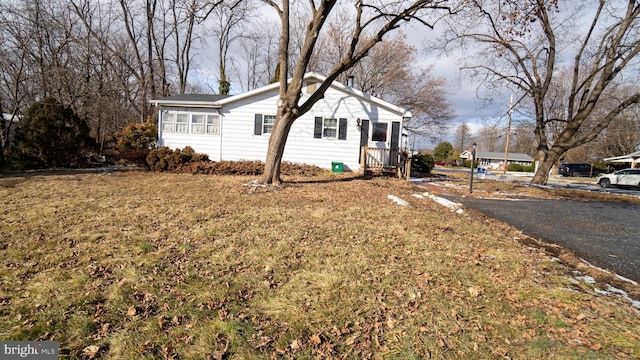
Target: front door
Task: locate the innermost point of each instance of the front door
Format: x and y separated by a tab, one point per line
364	137
395	141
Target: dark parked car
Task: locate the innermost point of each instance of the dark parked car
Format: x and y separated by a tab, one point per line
576	170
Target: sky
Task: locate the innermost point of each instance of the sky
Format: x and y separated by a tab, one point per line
461	86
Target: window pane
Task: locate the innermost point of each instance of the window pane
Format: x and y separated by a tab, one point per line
329	133
379	132
197	123
182	123
168	127
169	122
267	123
330	129
213	124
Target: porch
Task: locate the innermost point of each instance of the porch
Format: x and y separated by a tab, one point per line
379	161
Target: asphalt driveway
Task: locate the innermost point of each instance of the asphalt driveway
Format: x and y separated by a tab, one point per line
606	234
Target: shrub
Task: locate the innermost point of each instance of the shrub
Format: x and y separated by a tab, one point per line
138	136
136	141
245	167
423	163
515	167
51	134
467	163
530	168
165	159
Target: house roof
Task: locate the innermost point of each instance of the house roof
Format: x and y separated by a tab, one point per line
498	156
217	101
198	100
625	158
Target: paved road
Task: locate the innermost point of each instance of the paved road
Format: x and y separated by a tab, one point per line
606	234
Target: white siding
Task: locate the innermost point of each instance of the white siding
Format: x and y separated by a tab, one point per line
238	141
201	143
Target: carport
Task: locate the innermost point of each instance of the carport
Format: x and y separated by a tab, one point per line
633	159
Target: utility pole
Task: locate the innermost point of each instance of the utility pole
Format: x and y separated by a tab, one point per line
506	150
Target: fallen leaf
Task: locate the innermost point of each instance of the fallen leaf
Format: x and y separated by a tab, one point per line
595	347
132	311
474	291
146	347
91	351
390	323
352	339
296	345
315	340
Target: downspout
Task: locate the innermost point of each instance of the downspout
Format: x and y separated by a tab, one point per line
221	132
160	124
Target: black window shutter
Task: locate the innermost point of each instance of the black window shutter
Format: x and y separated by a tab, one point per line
257	125
317	129
342	130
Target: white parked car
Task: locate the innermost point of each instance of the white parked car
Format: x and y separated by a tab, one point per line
621	178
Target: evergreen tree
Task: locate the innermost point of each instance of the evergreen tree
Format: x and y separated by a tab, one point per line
52	135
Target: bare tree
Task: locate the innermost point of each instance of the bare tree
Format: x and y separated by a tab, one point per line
523	137
229	26
260	54
462	136
490	136
623	134
522	45
381	18
390	72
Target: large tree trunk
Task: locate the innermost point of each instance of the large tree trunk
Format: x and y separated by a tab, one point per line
277	142
548	160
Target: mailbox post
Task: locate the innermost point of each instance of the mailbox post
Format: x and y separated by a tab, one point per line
473	160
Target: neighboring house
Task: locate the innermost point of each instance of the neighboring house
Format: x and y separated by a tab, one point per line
495	160
238	127
632	159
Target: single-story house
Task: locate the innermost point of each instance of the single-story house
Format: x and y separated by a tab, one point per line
632	159
495	160
238	127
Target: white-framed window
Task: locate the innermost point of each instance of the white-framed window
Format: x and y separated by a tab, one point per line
267	123
213	124
191	122
197	123
330	128
169	122
263	124
182	123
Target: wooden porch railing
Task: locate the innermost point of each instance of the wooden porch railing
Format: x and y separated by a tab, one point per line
377	160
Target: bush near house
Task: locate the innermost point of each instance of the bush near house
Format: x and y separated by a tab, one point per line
467	163
422	163
165	159
522	168
245	167
136	141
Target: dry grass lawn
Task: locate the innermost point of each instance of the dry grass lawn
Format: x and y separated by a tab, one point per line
175	266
